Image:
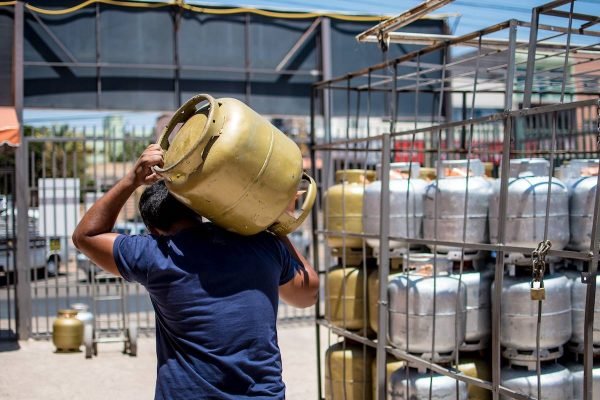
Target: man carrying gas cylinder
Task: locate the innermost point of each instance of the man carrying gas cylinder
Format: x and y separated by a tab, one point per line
215	292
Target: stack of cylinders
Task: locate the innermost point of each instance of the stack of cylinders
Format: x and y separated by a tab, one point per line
345	297
411	384
344	206
347	374
450	196
555	380
526	218
406	206
518	319
419	289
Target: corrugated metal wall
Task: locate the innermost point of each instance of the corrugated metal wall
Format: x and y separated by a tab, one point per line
112	57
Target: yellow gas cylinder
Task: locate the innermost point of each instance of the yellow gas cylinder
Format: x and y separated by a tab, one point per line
373	296
391	365
489	169
67	331
476	368
345	297
347	374
427	174
344	206
232	166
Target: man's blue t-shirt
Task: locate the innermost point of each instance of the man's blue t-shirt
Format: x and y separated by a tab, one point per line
215	294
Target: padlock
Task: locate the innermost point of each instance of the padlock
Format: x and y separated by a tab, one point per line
538	294
537	291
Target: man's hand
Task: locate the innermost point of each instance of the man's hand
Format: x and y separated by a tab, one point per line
142	173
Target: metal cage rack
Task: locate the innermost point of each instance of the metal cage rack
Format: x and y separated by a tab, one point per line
519	100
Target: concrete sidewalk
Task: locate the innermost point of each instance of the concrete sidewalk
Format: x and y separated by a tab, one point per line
31	370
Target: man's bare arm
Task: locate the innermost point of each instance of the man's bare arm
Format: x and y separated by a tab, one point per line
93	236
302	291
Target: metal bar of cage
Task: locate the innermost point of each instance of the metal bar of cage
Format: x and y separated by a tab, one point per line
509	118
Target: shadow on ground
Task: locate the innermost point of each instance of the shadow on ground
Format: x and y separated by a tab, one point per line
8	345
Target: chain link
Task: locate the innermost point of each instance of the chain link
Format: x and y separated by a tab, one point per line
539	261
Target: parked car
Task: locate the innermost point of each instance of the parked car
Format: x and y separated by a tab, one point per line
90	269
37	259
41	258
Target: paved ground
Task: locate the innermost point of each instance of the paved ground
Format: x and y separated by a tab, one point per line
31	370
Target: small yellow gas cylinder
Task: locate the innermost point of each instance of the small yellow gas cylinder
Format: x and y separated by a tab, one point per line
347	374
67	331
476	368
489	169
344	206
232	166
391	365
427	174
345	297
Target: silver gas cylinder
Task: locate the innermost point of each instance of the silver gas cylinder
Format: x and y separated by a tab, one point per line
406	204
419	382
518	318
577	373
556	382
413	262
451	194
83	314
578	294
581	176
420	288
478	325
526	211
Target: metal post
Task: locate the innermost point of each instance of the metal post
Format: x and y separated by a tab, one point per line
247	62
315	237
590	295
566	64
510	65
326	175
499	272
535	18
23	290
98	71
463	131
384	265
176	79
326	72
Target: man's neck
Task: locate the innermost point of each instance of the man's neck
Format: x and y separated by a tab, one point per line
179	226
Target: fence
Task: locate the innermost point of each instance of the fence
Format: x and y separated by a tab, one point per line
69	168
7	259
409	304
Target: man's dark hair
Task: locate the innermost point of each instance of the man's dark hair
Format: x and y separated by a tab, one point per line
160	209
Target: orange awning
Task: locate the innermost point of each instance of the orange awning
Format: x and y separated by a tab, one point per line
9	127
